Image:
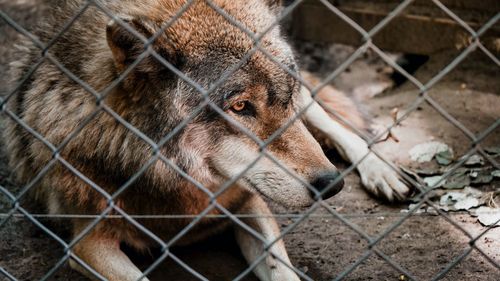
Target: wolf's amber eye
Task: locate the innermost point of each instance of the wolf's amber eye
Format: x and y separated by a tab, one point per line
244	108
238	106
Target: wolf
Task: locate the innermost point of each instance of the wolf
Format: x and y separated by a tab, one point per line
157	107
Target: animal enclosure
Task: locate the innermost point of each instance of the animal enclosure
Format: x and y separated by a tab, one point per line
434	108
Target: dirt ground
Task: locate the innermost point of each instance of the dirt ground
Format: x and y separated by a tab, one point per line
322	246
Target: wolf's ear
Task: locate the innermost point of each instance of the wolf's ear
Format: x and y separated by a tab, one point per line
127	46
276	6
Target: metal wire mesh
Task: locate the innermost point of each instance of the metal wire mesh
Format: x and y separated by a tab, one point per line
113	210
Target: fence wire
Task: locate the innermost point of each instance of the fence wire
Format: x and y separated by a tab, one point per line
114	211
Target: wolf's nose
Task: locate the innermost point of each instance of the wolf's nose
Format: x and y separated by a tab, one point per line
329	181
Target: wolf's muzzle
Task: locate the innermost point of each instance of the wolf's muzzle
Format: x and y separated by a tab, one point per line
330	182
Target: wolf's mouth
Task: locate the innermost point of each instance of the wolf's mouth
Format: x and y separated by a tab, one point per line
254	187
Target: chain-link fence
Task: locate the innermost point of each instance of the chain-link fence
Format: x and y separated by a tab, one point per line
155	148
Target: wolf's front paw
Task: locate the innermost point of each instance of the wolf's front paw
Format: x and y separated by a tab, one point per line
382	180
283	274
278	271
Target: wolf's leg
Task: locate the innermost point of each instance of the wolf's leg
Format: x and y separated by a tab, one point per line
270	268
376	176
105	257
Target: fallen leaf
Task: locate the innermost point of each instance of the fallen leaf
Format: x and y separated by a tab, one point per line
482	179
451	197
466	203
493	150
456	181
444	158
481	175
462	200
475	159
496	173
471	191
424	152
432	181
487	216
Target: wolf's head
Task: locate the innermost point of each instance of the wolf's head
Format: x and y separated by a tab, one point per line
256	96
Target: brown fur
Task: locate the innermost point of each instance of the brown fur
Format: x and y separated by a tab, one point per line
55	107
338	102
99	154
